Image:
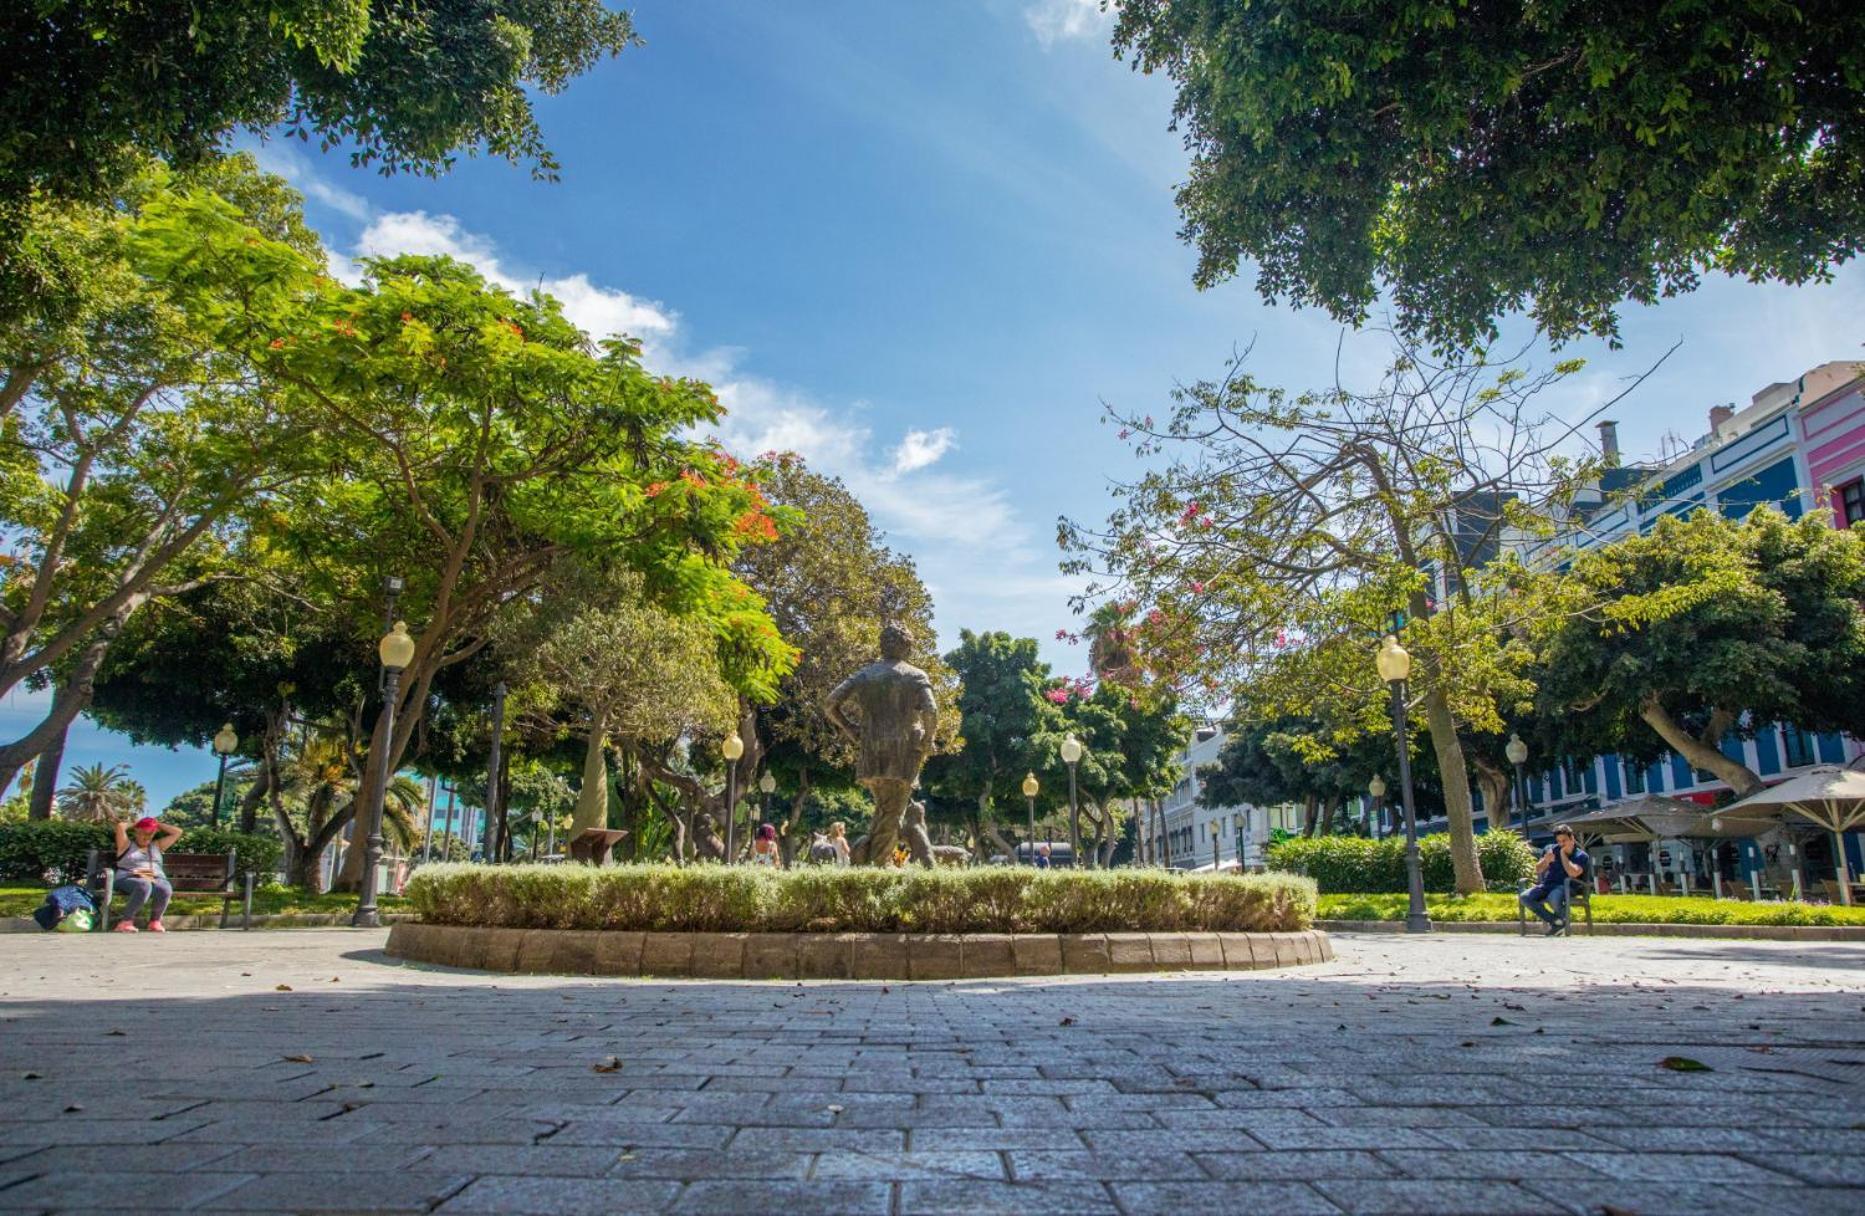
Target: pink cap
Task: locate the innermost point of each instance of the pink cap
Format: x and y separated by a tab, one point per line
147	824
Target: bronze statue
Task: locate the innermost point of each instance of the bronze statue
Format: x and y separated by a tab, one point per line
893	731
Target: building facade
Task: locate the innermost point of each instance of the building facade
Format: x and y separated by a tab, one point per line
1196	836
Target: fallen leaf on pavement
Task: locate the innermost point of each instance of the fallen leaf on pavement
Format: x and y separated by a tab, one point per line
281	988
607	1064
299	1059
1684	1064
1068	1021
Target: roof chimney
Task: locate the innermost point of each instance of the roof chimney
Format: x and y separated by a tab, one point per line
1609	444
1720	416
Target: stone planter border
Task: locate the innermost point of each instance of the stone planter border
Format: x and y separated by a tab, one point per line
847	956
1766	933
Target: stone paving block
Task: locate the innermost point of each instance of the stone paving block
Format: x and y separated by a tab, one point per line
879	956
1168	1140
622	1135
667	954
994	1138
1239	951
342	1191
1207	951
575	952
1298	1137
833	1197
941	1197
1591	1196
1386	1197
1824	1169
1523	1165
1514	1137
1128	952
1179	1198
564	1196
128	1158
1683	1139
1108	1167
1037	953
987	955
549	1160
719	955
1085	954
819	1140
935	956
618	951
1170	951
1679	1167
976	1163
688	1165
1301	1166
106	1190
824	956
1804	1201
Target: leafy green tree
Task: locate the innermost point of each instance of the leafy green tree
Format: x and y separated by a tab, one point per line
1281	535
1480	159
1707	626
129	431
1131	743
405	86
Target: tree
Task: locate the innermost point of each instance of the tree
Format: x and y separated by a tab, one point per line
1131	743
1007	721
100	794
1480	159
1707	626
403	85
129	432
1284	535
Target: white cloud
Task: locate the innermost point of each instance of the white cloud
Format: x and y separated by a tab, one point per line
1054	21
289	163
922	448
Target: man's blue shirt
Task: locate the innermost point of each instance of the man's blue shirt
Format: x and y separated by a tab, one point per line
1556	873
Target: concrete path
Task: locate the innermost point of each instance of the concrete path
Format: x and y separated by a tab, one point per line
303	1071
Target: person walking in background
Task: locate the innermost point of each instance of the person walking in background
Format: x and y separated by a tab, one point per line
139	871
838	836
1564	861
764	849
1042	857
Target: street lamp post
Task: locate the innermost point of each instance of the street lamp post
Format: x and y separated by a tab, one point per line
1030	789
224	743
1395	665
492	773
1217	831
396	650
1517	751
1071	756
1376	789
731	749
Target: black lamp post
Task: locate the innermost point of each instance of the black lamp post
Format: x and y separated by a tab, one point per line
1030	789
1217	830
1517	751
1395	665
396	650
1071	756
488	839
224	743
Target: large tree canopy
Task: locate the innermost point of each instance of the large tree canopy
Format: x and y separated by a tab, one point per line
1483	158
90	82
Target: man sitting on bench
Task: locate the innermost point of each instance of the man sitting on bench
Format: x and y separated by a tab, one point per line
1564	860
139	871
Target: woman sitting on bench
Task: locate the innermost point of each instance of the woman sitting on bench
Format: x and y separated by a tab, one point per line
139	871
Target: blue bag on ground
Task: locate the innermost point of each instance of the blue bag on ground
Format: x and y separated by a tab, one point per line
61	902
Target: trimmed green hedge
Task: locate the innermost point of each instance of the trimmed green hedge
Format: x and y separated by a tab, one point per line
1607	909
993	899
53	850
1361	864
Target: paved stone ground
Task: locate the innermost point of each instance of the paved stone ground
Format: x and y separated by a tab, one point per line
304	1071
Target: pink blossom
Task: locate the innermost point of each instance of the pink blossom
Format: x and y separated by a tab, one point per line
1197	587
1155	617
1058	695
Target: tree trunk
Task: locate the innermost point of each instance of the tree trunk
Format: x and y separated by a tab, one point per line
1165	837
786	835
592	800
988	829
1311	806
1466	870
70	696
45	776
1496	801
1702	752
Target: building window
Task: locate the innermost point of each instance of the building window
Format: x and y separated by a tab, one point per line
1634	778
1797	747
1850	499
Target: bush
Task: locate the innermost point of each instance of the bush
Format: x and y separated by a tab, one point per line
995	899
1607	909
54	850
1361	864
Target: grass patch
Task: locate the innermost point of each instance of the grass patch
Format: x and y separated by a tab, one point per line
1607	909
997	899
267	901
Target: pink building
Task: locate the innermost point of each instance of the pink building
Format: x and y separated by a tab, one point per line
1832	435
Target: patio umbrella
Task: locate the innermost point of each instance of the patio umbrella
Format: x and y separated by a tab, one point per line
1830	796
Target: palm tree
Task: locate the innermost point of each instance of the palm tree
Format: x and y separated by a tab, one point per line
100	794
1112	655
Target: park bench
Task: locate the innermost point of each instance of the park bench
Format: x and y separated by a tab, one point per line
1579	895
188	873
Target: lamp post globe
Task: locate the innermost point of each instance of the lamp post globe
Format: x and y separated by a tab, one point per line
1071	756
767	785
1376	789
225	741
1395	667
396	652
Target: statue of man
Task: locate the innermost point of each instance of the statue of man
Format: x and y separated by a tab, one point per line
893	729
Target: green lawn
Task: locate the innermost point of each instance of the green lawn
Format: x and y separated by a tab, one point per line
21	900
1608	909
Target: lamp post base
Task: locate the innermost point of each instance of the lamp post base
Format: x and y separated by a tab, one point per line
1417	922
365	918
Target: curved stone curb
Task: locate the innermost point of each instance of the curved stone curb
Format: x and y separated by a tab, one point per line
1766	933
211	920
848	956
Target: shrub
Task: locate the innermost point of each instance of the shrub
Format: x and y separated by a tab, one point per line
54	850
1607	909
1361	864
829	900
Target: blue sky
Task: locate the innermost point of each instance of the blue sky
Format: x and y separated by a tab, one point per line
921	243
